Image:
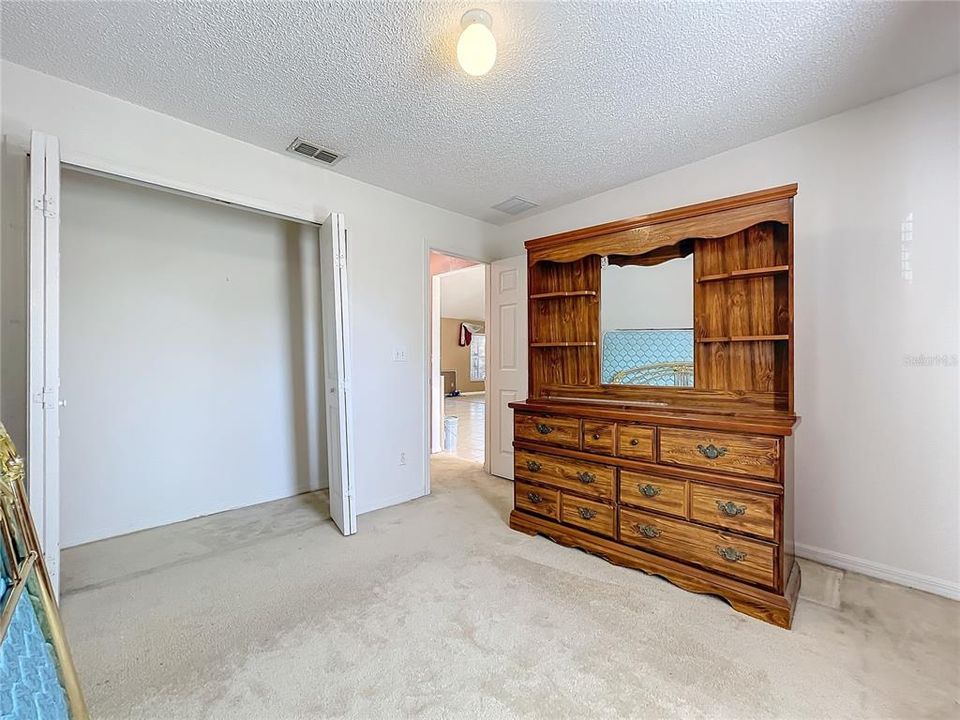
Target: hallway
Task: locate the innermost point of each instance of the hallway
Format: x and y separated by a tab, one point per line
471	412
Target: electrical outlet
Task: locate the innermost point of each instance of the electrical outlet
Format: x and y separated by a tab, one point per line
403	458
400	354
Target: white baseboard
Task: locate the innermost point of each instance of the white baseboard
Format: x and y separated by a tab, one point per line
390	502
929	584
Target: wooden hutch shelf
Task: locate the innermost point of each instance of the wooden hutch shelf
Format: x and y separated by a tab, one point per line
743	338
565	294
585	343
746	273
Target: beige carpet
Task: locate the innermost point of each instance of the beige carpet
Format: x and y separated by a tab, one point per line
437	610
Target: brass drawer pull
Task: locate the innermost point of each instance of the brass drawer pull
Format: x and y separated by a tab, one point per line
535	498
586	478
596	436
711	451
730	554
544	429
730	509
586	513
649	490
634	441
534	466
648	531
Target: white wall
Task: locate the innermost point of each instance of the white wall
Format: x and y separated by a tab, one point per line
878	482
190	344
635	297
387	233
462	292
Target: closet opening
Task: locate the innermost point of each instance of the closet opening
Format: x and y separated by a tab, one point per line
192	378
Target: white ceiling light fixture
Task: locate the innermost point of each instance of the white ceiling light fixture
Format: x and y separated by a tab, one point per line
476	48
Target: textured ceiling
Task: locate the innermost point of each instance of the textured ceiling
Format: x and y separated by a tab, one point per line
584	96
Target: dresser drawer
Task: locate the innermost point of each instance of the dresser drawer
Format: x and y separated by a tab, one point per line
550	429
749	560
727	452
598	437
581	477
739	510
635	442
587	514
542	501
656	493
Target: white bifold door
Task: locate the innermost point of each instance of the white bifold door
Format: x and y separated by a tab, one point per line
506	356
336	362
43	410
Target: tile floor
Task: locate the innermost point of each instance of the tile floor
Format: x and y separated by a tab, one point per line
470	410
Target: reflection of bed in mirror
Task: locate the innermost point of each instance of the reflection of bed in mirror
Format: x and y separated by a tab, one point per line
660	357
646	321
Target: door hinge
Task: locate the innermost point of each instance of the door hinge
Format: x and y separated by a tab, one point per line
47	205
46	399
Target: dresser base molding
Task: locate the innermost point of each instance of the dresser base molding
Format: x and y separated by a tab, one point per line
761	604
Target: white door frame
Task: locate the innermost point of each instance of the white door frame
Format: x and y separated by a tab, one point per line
43	363
43	354
431	373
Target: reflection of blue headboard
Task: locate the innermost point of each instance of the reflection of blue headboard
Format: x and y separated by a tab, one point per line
629	349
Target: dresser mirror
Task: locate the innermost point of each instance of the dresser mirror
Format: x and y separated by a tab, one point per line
646	322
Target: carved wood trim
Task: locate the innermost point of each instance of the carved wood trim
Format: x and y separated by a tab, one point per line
642	234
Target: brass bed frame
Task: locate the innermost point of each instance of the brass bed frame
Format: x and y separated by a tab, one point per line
681	373
23	564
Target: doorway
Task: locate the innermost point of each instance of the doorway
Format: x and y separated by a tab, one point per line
459	357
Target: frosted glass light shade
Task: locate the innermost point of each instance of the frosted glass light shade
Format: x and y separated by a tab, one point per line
476	49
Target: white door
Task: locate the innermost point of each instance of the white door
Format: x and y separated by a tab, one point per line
506	356
336	362
43	426
436	380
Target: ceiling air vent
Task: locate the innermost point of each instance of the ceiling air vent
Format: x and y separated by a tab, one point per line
514	205
314	150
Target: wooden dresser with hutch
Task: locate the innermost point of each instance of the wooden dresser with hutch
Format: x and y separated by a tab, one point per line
691	483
